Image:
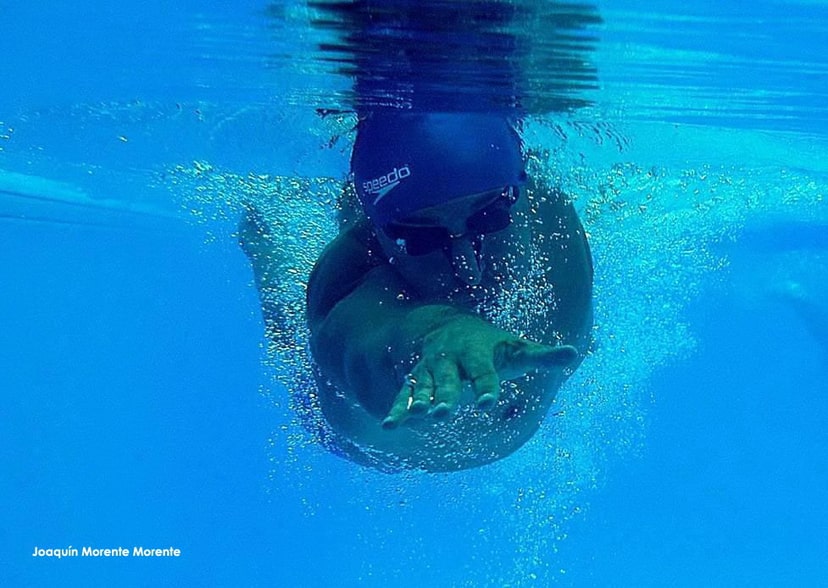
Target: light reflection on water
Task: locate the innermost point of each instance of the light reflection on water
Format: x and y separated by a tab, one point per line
712	64
719	66
523	55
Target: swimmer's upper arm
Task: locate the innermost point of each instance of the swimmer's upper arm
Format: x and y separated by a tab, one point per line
555	207
341	268
563	243
566	210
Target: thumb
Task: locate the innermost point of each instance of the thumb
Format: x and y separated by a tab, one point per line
518	357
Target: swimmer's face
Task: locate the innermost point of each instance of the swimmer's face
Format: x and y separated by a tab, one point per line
453	244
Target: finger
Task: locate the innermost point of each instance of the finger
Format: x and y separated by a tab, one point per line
447	388
542	356
481	372
422	392
519	357
399	409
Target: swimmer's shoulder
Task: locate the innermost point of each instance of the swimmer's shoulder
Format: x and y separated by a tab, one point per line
551	205
548	199
559	221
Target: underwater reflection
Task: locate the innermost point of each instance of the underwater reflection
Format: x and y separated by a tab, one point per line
458	55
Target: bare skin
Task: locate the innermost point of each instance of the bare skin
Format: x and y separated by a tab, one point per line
411	370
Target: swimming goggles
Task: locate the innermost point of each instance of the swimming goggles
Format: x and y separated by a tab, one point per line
424	239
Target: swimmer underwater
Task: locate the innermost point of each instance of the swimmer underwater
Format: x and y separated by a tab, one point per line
441	232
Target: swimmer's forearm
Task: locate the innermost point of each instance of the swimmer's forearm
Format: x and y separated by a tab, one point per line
360	336
370	340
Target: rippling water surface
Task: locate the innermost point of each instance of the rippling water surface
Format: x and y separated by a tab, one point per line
198	79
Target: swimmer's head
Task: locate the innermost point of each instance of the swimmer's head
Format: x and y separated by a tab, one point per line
406	162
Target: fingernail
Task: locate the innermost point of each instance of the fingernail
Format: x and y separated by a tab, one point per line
441	411
418	407
486	401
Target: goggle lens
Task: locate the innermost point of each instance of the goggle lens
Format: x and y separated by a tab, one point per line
422	240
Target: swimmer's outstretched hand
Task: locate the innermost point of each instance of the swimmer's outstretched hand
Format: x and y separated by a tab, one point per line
468	349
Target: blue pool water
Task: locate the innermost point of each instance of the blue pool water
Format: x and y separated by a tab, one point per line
142	406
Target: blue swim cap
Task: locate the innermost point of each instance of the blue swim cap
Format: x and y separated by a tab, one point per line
404	162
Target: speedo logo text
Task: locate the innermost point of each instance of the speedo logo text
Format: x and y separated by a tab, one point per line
382	185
